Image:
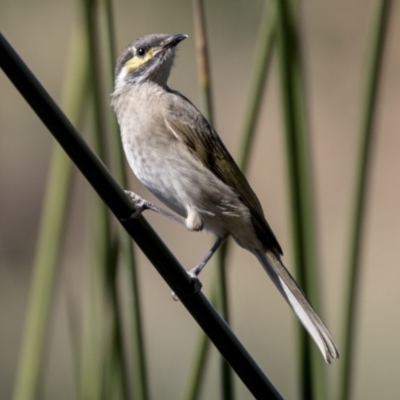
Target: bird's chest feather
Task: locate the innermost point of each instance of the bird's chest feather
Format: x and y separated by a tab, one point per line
145	150
153	158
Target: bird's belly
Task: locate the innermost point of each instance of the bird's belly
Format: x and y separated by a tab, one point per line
160	179
181	182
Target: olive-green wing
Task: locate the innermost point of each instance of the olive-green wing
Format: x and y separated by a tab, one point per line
199	136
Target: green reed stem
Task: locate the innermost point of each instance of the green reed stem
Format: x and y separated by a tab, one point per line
138	358
364	165
96	333
203	59
204	74
305	170
301	191
261	68
51	234
196	376
263	56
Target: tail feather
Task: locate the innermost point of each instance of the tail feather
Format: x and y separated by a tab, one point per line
289	289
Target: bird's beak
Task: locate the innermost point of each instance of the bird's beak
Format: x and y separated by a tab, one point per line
173	40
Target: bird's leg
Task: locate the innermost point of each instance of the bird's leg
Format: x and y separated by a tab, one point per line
195	272
142	205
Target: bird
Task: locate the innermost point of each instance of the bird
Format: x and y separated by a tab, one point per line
178	156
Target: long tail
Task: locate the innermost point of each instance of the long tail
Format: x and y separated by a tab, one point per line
296	299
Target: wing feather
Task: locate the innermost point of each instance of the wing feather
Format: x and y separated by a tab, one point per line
187	124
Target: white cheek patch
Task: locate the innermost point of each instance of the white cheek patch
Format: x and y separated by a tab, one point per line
121	76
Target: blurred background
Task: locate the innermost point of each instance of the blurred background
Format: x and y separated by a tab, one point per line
334	38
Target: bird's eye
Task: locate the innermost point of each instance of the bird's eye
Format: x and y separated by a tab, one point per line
141	51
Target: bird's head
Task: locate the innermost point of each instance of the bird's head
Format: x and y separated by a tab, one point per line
148	58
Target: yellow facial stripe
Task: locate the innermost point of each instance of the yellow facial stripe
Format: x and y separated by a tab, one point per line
136	62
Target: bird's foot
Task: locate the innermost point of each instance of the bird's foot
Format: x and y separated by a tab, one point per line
142	205
195	272
139	203
197	285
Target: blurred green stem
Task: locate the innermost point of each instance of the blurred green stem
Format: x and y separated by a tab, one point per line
96	332
196	376
263	56
305	170
203	59
301	190
51	233
117	368
204	74
377	45
140	386
262	63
